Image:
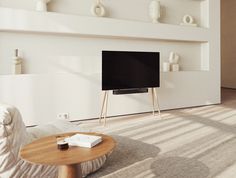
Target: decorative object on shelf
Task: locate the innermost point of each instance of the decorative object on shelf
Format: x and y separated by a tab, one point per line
166	67
98	9
174	60
17	63
174	67
188	20
41	5
155	10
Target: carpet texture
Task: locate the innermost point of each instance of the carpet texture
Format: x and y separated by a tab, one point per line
186	143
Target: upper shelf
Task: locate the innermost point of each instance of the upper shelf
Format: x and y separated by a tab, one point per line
17	20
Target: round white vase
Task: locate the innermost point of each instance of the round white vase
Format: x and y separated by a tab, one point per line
155	10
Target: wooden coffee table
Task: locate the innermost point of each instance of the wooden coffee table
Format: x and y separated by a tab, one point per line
44	151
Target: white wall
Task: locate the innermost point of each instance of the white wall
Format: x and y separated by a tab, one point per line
63	73
228	41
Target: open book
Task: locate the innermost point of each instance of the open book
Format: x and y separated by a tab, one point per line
83	140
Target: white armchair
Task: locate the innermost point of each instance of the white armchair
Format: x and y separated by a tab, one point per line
13	135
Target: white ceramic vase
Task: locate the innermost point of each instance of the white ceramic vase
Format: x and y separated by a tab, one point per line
98	9
166	67
155	11
17	63
174	58
41	5
174	67
188	20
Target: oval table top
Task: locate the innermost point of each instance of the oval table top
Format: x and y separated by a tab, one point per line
45	151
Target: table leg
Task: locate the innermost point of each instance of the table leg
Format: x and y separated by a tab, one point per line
70	171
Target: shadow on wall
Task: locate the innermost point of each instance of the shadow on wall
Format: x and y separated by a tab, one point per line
127	153
179	167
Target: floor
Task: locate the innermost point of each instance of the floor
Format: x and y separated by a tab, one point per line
195	142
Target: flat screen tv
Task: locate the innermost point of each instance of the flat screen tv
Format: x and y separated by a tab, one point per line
130	70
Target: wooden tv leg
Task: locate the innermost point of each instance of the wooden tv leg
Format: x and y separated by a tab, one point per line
104	107
155	102
103	103
105	115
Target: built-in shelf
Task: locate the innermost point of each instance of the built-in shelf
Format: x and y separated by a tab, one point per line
58	74
17	20
184	71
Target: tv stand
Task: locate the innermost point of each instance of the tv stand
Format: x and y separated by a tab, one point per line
155	104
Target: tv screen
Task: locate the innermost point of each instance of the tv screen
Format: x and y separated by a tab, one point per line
130	70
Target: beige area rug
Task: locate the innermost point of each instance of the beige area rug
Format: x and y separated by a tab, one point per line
187	143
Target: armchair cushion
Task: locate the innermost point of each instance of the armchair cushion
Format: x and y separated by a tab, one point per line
14	135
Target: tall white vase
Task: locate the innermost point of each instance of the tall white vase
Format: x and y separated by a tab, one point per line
155	10
17	63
